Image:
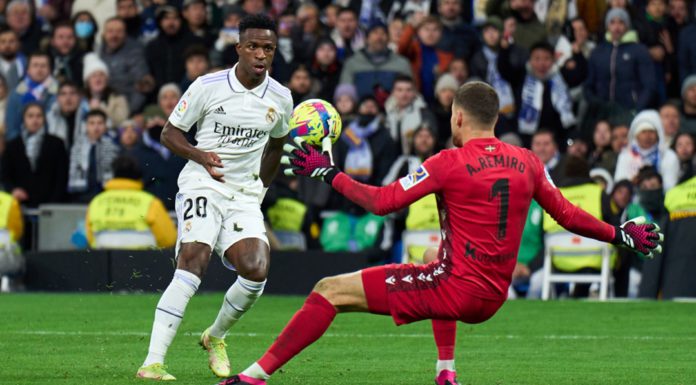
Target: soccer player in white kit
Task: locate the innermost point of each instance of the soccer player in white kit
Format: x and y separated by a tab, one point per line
242	116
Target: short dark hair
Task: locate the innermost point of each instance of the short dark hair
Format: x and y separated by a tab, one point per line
576	167
40	54
195	50
62	24
403	78
542	45
647	172
544	131
125	166
259	21
95	112
69	83
479	100
346	9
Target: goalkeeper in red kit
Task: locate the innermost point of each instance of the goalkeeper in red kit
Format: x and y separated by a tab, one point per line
484	188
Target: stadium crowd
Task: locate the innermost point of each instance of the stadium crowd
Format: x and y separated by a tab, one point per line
603	92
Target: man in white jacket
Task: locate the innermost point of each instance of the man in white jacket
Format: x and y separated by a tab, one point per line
644	149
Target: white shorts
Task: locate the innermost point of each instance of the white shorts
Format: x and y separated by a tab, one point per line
206	216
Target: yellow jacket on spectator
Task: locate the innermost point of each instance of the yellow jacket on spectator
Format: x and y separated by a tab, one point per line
11	216
125	217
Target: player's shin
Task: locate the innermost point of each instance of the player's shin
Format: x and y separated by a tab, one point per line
445	333
305	327
169	313
239	298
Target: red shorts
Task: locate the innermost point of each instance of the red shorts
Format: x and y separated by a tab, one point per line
417	292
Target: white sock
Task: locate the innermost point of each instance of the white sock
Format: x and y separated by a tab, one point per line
256	371
169	313
240	297
444	365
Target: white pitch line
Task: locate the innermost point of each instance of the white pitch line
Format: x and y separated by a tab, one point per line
359	335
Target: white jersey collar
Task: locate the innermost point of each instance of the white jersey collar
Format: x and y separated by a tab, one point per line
239	88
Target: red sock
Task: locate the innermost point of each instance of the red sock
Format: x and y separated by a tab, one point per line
445	333
308	324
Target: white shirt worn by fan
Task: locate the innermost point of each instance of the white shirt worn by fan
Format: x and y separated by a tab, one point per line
235	123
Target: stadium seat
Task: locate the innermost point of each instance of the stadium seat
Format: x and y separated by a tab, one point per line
291	240
569	245
415	242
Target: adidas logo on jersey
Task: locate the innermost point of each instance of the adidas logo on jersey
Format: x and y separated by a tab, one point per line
220	110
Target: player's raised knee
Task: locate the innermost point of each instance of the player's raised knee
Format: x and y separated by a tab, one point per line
253	268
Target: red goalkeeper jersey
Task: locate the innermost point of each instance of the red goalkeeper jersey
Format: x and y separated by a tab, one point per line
483	191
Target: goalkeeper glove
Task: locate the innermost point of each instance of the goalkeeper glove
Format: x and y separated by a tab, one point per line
306	160
639	236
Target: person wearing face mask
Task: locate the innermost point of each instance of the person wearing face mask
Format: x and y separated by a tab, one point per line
85	30
650	194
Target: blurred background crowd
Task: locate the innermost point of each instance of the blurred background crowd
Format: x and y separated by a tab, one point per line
603	91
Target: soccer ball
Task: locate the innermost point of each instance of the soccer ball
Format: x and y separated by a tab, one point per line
315	119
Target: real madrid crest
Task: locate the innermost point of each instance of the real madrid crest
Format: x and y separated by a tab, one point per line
270	115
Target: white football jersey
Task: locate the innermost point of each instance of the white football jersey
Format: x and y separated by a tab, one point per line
235	123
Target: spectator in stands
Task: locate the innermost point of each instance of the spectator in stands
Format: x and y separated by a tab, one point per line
651	196
577	146
90	158
129	136
375	66
652	31
346	101
394	31
542	90
306	33
86	30
160	167
484	63
632	87
602	155
581	38
328	17
124	216
11	230
545	148
418	44
365	150
459	69
286	23
99	95
678	19
165	53
38	86
229	36
347	34
39	163
528	29
688	112
195	15
619	138
66	55
406	111
445	89
458	37
301	85
409	9
20	17
127	10
13	63
644	138
685	148
197	64
127	65
253	7
669	116
603	178
687	51
325	68
65	118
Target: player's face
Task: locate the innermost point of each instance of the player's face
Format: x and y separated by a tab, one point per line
33	119
256	49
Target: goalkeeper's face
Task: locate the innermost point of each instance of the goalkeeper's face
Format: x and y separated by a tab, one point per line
256	48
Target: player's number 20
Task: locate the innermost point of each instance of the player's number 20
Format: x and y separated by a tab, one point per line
501	188
200	205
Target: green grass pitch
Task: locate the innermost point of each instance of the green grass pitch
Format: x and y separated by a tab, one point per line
102	339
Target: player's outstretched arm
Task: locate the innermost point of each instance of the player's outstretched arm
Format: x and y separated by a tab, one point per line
173	138
635	234
305	160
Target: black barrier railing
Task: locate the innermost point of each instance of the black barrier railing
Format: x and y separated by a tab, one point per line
151	271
